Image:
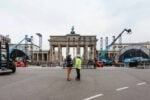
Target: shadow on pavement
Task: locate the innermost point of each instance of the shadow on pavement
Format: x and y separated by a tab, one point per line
5	73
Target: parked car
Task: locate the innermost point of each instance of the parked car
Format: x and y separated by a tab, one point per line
20	64
99	64
107	62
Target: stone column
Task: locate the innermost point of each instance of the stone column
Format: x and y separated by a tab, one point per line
85	53
59	54
93	52
52	54
47	58
33	57
37	57
42	56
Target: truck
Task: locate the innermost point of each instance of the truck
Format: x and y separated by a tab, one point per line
135	61
5	62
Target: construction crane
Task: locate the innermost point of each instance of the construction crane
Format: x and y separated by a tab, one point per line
104	52
24	39
21	61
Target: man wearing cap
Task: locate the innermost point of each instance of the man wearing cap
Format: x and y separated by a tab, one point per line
78	63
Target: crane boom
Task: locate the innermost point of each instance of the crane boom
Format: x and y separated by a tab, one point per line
103	53
27	39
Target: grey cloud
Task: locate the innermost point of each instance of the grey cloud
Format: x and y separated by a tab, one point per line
98	17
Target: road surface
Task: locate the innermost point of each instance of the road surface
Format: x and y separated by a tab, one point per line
109	83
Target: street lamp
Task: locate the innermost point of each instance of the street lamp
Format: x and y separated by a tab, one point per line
127	30
40	41
31	47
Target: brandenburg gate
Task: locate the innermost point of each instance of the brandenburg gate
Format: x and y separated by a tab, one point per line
72	40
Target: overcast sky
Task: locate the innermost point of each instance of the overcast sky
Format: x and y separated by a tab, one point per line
89	17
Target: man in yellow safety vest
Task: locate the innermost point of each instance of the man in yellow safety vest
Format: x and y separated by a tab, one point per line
78	63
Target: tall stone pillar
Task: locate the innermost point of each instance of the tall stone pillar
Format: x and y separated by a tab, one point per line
47	58
86	53
59	54
61	58
42	55
33	57
92	52
95	54
37	57
52	54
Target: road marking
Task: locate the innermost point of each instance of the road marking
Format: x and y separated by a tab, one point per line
142	83
123	88
93	97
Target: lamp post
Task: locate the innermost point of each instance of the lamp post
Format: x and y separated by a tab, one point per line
31	47
40	41
40	46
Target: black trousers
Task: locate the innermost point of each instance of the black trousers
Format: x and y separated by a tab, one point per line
78	73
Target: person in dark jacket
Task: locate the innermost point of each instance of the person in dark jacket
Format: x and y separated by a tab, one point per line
69	66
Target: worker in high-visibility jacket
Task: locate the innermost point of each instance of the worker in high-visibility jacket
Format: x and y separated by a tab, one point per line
78	63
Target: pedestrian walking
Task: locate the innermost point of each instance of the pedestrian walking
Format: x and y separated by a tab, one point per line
69	66
78	63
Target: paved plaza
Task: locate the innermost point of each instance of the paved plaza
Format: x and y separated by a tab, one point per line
45	83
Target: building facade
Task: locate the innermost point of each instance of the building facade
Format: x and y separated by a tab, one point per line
4	39
40	57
